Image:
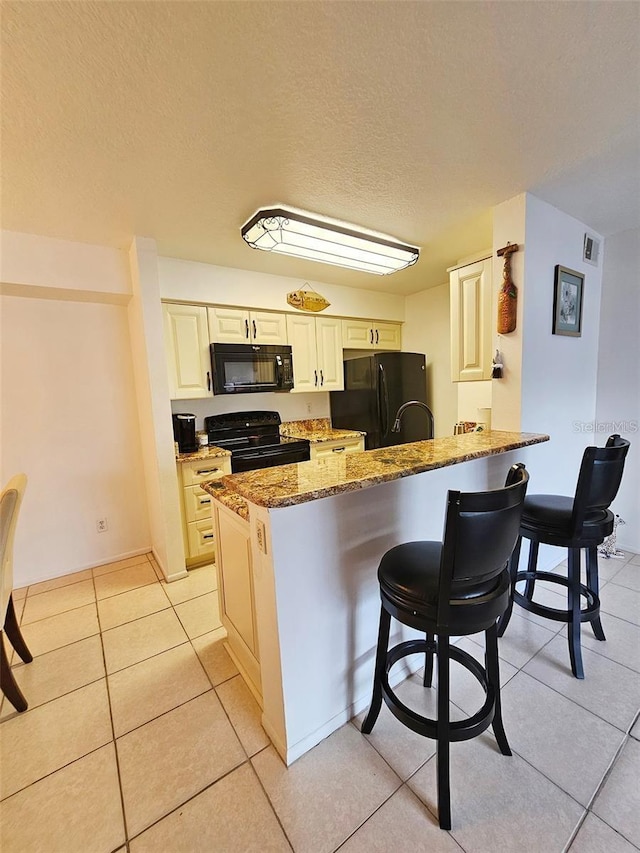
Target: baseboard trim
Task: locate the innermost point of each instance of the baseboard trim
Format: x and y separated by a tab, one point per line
39	578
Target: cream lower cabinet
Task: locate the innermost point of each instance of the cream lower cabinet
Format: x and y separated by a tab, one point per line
240	326
471	322
186	338
328	449
197	522
369	334
236	593
316	344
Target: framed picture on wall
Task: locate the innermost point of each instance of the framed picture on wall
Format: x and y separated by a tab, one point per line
567	302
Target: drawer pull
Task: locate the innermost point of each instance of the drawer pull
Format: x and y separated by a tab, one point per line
207	471
208	536
205	501
338	449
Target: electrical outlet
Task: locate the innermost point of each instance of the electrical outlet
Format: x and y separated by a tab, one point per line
102	525
308	408
262	537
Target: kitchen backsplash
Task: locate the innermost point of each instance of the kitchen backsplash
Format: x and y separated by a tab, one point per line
292	407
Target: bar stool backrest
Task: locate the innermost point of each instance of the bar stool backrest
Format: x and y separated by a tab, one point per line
10	501
481	529
598	481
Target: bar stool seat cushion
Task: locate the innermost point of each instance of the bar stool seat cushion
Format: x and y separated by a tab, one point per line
554	514
409	575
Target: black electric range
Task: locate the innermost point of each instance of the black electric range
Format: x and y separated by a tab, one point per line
254	440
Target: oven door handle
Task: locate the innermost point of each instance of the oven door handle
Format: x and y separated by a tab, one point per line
258	455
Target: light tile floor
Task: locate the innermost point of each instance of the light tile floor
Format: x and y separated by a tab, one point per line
142	736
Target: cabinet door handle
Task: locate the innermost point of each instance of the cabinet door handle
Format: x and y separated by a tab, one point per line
208	536
377	336
338	449
255	332
371	333
315	373
246	329
321	378
208	381
207	471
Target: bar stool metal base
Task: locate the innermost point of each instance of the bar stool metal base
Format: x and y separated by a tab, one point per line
587	614
443	730
573	615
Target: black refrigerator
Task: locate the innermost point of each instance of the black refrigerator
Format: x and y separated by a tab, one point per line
374	389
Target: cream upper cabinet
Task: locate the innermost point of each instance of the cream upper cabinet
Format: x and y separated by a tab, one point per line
370	334
471	326
240	326
187	347
316	344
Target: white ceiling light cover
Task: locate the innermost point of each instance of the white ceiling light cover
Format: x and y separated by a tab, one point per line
300	235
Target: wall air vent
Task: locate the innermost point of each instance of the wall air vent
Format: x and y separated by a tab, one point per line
591	249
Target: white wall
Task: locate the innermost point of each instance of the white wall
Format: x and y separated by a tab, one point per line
618	388
69	421
69	411
292	407
559	373
154	411
555	392
472	397
190	281
427	330
62	265
506	393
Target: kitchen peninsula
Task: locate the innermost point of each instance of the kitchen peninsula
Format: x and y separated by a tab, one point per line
316	532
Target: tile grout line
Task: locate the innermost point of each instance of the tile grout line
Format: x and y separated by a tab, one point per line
268	798
224	709
586	810
599	787
212	688
113	731
573	701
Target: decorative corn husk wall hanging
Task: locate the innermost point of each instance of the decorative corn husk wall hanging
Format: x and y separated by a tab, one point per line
306	299
508	296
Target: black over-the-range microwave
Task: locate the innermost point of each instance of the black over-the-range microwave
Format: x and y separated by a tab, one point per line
245	368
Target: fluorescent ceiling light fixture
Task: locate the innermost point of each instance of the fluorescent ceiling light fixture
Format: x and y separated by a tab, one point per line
288	232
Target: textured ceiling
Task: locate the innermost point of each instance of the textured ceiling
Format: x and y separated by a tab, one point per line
177	120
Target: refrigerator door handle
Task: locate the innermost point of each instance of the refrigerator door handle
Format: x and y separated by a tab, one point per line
384	403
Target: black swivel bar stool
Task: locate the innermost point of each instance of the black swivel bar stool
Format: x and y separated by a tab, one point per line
453	588
573	523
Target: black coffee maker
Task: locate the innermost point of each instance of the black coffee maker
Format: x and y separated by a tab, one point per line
184	432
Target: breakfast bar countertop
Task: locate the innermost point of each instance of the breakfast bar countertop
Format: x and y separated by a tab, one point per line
232	500
288	485
317	429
